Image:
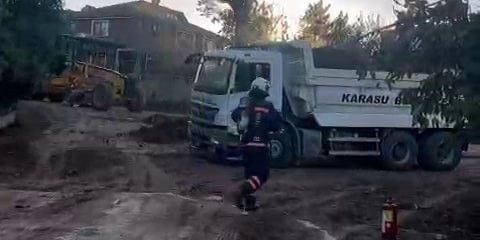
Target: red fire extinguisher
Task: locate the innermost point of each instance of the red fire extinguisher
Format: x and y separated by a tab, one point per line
389	220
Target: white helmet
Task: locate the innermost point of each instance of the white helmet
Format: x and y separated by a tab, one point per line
260	85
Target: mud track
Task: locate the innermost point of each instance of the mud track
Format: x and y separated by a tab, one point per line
74	173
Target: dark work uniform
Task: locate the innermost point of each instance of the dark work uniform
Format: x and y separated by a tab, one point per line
262	120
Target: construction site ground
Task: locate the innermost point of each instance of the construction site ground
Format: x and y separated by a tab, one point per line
75	173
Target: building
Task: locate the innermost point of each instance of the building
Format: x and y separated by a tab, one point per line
165	35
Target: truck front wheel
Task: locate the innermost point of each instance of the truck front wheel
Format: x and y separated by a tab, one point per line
440	152
399	151
136	102
102	98
281	152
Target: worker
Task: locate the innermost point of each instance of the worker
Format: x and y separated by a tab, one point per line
256	120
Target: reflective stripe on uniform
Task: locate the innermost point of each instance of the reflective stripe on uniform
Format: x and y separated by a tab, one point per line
257	181
254	144
261	109
252	184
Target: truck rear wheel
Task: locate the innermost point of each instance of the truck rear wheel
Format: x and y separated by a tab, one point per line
136	102
399	151
281	152
102	98
440	152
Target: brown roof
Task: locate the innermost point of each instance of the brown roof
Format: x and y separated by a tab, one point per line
129	9
136	8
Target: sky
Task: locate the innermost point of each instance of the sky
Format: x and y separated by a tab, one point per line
293	9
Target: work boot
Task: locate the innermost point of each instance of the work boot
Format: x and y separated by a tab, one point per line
238	200
251	203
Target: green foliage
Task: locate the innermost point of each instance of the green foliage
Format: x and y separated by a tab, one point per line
245	22
28	31
430	38
233	15
470	86
317	27
266	24
365	24
340	30
315	24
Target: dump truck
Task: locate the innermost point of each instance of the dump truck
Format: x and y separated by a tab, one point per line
328	110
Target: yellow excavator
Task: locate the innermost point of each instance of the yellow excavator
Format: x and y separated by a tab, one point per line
90	84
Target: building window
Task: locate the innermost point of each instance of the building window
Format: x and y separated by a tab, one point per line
209	45
73	27
155	29
171	16
185	40
101	60
100	28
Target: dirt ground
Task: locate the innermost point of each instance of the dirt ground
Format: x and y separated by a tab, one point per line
74	173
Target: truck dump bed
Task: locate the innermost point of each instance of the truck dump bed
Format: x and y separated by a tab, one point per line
325	84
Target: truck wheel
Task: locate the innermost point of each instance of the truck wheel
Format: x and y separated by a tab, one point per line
399	151
56	98
440	152
102	98
195	152
281	152
136	102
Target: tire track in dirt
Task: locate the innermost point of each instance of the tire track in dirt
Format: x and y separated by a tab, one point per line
346	202
30	223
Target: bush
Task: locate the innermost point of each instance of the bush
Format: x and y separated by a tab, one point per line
28	33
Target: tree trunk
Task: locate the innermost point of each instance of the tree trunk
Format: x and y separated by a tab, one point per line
242	9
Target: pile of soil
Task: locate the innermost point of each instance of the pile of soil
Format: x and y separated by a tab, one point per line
163	130
90	164
15	157
458	218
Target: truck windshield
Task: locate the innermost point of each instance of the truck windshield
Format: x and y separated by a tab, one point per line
213	76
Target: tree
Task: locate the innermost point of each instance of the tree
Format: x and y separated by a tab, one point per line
471	85
315	24
235	18
340	30
366	46
3	38
283	29
28	32
264	23
365	24
430	38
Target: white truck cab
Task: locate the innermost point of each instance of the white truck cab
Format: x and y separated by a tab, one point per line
327	109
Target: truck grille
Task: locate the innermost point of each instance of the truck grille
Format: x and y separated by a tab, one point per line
203	112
